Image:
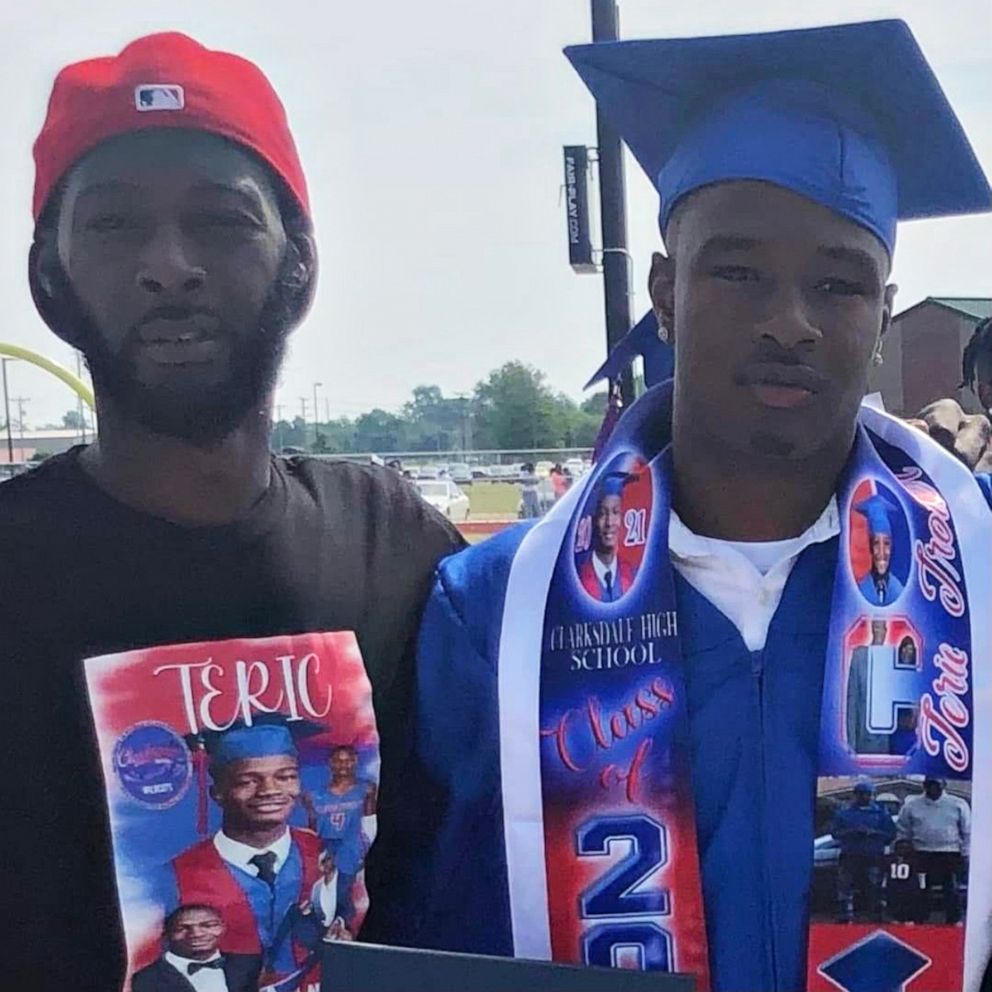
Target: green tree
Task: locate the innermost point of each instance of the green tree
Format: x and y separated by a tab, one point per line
434	422
515	408
378	430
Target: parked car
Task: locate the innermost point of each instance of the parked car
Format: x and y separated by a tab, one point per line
445	496
460	474
543	469
428	472
481	472
576	466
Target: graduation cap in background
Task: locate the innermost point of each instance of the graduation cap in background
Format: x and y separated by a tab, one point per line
642	339
850	116
269	734
878	511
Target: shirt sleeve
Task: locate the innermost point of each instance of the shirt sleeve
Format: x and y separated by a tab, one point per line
984	481
964	827
905	823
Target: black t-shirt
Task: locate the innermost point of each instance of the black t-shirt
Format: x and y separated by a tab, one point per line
330	546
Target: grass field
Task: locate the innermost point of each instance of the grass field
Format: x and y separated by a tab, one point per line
493	499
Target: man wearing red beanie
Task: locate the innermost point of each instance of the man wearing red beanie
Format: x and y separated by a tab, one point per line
174	247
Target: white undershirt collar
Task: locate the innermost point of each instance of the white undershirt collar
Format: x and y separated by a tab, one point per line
744	579
240	855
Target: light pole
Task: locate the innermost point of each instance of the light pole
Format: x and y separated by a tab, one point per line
6	408
316	413
613	208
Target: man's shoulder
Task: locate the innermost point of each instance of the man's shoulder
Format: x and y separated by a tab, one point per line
469	578
306	840
198	855
144	979
371	496
27	497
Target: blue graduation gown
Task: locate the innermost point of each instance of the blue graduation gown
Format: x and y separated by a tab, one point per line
754	724
893	590
754	720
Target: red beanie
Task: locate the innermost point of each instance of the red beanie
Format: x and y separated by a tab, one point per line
163	80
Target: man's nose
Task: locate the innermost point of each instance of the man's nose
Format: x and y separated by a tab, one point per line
787	322
166	267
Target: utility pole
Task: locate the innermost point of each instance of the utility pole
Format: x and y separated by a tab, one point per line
79	402
6	407
303	414
316	414
279	444
20	401
613	209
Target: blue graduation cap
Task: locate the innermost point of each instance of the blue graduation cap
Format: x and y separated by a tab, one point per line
269	734
612	484
878	511
850	116
642	339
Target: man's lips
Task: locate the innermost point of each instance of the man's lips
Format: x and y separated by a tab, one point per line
186	339
782	387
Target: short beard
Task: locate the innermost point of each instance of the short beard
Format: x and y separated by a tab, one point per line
206	418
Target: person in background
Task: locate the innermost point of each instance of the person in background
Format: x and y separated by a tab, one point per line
559	482
530	501
969	436
864	829
323	901
938	825
976	364
905	886
343	816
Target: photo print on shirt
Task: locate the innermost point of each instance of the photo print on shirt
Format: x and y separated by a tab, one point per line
241	780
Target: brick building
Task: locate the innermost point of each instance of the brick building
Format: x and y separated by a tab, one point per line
922	353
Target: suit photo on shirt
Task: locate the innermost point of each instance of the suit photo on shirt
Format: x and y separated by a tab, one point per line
191	959
612	532
879	544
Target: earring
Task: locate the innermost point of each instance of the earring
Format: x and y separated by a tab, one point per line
662	333
297	279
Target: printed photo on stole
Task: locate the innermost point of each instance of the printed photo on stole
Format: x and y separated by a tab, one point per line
893	804
241	780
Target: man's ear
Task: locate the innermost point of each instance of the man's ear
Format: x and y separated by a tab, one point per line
50	287
661	288
302	277
888	308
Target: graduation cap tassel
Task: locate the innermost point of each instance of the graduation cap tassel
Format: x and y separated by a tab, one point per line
613	407
202	792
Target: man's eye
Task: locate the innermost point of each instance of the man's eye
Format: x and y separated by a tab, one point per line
108	222
734	273
840	287
223	219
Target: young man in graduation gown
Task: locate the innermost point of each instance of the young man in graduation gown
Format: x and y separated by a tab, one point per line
256	869
633	783
879	586
174	247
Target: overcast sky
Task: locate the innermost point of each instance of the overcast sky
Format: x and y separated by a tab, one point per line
431	135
